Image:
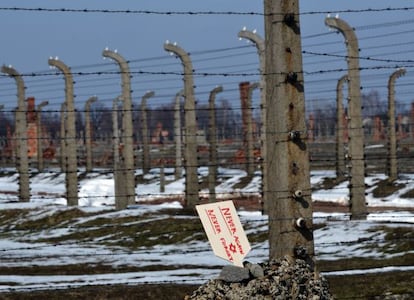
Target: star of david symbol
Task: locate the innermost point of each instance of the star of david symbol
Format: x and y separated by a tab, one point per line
232	248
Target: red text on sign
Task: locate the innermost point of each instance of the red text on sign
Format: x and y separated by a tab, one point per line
226	249
213	221
239	245
228	218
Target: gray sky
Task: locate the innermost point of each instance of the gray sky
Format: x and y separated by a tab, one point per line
29	38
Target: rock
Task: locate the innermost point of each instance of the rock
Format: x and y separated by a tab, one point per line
286	278
256	271
234	274
390	296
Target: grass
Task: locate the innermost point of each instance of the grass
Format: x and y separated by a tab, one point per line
58	219
367	286
176	226
405	237
162	228
328	183
384	188
370	286
84	269
8	217
408	194
244	181
365	263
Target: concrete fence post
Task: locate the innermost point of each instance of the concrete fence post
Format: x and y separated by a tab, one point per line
127	157
70	136
178	136
121	201
146	163
88	133
258	41
22	160
190	147
63	157
250	141
340	147
392	138
40	164
212	136
356	131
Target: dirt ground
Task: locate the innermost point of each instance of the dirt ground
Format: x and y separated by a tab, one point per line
113	292
178	291
368	286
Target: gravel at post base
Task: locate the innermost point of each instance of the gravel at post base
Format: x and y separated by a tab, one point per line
283	279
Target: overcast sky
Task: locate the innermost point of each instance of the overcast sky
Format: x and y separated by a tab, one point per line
29	38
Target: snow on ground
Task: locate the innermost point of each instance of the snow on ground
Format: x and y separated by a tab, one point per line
97	188
197	276
340	238
340	193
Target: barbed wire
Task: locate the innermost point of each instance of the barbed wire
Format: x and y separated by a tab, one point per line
206	74
235	74
409	61
216	74
225	74
197	13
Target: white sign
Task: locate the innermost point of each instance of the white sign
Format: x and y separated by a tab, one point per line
224	231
